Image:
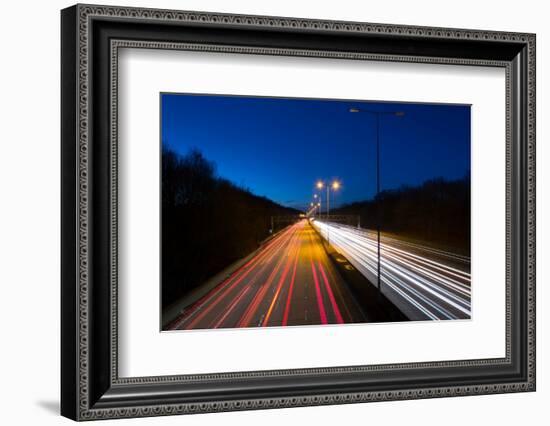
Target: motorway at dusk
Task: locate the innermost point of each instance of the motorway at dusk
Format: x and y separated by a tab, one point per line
290	281
281	212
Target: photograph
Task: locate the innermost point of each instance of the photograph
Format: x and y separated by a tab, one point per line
282	212
264	209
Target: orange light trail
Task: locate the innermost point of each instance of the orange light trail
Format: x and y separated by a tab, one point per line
210	300
231	307
291	287
296	249
335	309
253	307
320	303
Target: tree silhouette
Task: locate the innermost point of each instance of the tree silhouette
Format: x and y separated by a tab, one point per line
438	212
207	222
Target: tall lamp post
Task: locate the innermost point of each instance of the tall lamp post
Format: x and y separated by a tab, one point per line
335	185
318	197
377	115
320	186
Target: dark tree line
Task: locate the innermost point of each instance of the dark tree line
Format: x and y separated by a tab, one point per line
437	211
207	222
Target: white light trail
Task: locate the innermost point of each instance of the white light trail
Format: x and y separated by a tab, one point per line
424	282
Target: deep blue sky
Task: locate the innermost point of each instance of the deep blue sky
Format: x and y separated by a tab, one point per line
279	148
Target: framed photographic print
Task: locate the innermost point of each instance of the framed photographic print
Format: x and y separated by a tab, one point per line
264	212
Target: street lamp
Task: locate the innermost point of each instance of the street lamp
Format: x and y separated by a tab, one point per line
317	198
335	185
377	114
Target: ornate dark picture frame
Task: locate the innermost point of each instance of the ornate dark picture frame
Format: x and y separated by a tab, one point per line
90	385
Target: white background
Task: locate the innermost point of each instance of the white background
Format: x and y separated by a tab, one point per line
29	222
146	352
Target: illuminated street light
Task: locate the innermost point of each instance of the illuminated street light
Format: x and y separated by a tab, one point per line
319	198
335	185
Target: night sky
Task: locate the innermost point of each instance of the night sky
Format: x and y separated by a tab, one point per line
279	148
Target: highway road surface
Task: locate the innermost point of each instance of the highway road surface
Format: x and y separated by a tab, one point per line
289	281
422	281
